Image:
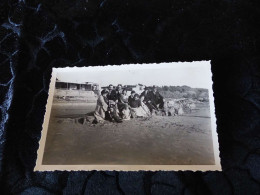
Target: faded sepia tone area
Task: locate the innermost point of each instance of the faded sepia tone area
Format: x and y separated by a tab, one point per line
177	140
175	129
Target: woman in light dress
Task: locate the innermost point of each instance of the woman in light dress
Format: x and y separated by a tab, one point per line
102	106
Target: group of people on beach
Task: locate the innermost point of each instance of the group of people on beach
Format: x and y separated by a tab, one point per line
116	105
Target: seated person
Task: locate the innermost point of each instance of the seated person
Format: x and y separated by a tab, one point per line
112	104
112	95
119	90
145	94
123	105
136	107
131	97
101	107
155	100
144	107
123	98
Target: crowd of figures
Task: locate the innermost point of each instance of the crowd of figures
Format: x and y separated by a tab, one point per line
116	105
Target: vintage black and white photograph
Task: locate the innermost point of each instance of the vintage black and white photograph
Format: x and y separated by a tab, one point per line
130	117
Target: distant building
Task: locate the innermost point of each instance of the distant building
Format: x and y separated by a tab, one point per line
139	88
86	86
87	91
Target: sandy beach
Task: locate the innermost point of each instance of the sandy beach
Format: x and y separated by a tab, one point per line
159	140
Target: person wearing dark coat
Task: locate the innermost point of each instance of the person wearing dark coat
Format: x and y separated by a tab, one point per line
123	105
119	91
155	100
136	108
131	97
136	102
112	103
145	94
112	94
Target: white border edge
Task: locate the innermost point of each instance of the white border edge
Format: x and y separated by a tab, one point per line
40	167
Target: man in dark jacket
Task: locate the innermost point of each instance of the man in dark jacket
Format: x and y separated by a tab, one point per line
112	95
112	104
119	90
131	97
155	100
145	94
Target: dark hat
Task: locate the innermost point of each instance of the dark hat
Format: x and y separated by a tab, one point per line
132	92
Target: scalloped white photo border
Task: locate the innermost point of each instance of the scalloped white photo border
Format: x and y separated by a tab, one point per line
216	167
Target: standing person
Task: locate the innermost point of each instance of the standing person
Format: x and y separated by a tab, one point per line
101	107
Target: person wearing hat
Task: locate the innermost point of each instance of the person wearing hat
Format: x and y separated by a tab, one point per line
101	107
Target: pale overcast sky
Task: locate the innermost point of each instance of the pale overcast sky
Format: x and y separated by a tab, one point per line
193	74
